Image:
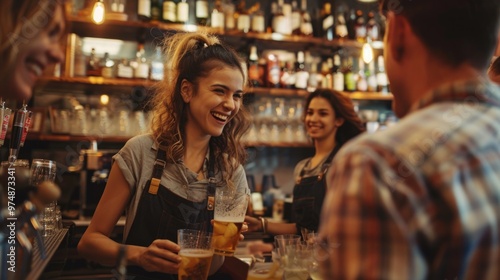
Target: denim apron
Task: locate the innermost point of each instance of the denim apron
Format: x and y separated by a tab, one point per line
161	213
308	195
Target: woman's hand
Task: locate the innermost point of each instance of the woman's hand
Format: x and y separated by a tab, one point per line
254	224
161	256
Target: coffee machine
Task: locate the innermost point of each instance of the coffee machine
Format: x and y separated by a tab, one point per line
96	165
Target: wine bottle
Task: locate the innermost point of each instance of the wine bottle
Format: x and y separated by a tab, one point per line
201	10
144	10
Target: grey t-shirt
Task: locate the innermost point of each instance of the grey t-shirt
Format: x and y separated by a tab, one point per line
136	160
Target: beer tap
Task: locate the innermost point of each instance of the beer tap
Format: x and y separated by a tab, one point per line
4	121
17	133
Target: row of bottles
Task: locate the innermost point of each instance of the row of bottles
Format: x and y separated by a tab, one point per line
139	68
340	73
345	23
287	17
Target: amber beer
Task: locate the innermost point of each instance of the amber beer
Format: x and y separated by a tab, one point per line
225	237
195	263
229	214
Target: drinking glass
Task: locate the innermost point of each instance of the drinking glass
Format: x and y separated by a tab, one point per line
45	170
196	253
265	271
297	261
283	240
229	214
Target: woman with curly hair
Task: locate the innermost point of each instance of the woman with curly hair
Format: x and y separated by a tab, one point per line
163	179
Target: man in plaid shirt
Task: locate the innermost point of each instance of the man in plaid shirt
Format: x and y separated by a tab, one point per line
421	200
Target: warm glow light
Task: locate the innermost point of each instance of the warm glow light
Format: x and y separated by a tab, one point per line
104	99
98	12
367	53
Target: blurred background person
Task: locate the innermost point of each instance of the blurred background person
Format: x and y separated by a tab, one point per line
30	34
330	121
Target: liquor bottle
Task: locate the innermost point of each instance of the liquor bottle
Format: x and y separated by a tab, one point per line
371	77
273	71
326	72
217	19
338	76
93	64
124	70
372	28
157	66
315	78
351	22
258	20
229	16
183	12
296	19
382	81
288	77
349	77
281	23
169	11
328	22
156	7
306	26
301	75
141	70
201	10
361	82
270	19
254	76
144	10
243	19
107	67
341	31
360	27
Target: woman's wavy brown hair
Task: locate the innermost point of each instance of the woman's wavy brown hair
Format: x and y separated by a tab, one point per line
191	56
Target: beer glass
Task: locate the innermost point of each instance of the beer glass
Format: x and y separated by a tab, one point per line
196	253
229	214
45	170
265	271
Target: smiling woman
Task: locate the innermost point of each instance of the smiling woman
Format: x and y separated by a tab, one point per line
30	33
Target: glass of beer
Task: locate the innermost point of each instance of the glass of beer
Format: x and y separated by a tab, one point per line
196	253
229	214
265	271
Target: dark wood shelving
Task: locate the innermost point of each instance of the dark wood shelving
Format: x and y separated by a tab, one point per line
99	81
81	25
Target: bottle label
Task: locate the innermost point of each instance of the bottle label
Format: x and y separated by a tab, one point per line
124	71
338	81
202	9
382	79
169	11
156	71
243	23
217	19
182	12
144	8
328	22
301	78
258	23
341	31
142	71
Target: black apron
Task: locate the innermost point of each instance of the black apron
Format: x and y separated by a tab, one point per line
161	213
308	195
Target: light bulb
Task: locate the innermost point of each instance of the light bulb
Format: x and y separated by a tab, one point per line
367	53
98	12
104	99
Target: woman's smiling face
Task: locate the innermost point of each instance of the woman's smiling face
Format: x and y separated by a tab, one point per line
35	54
218	99
320	119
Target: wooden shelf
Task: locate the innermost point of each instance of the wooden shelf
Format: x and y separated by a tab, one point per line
302	93
99	81
85	27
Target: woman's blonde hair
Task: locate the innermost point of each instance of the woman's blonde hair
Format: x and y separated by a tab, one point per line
21	20
189	56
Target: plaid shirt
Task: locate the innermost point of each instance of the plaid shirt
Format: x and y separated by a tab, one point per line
420	200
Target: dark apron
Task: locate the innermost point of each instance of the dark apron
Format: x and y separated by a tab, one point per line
308	195
161	213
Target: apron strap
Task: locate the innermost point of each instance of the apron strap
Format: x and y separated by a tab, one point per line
324	166
160	162
211	181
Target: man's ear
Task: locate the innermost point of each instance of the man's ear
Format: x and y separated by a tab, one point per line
186	90
397	29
